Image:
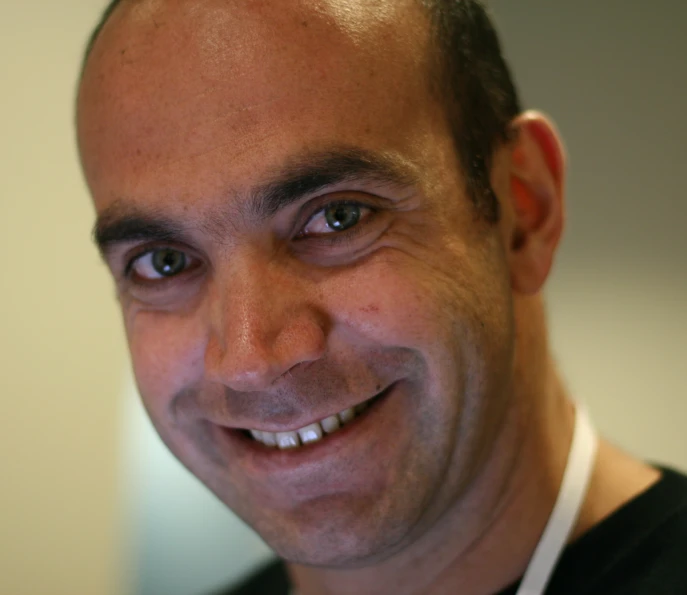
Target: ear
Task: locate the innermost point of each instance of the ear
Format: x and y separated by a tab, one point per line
536	179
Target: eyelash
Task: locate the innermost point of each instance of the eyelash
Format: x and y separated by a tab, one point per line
334	238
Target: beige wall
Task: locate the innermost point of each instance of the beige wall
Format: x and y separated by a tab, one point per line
61	348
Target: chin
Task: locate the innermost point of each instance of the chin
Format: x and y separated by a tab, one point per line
334	538
339	552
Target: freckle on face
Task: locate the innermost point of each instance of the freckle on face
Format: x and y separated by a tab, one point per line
371	309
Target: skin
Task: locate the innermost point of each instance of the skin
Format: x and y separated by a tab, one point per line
186	109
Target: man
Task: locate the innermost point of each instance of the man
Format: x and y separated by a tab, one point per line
329	225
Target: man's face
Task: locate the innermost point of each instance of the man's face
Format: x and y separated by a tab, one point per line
285	219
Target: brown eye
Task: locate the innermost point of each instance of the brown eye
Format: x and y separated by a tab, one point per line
160	263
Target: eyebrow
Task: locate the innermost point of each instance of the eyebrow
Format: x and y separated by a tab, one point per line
302	177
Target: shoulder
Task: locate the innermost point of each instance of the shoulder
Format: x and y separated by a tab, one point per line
642	549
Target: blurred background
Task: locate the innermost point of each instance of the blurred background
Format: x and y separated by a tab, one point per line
92	504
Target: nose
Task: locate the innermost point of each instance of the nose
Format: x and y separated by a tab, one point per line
263	323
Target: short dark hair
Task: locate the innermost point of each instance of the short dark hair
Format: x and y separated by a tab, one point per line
477	86
474	81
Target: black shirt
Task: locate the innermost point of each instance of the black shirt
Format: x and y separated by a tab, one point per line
640	549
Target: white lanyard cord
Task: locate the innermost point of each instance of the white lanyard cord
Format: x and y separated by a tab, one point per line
578	472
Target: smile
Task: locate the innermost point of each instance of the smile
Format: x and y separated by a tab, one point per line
314	432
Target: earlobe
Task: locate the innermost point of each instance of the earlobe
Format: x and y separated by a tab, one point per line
536	190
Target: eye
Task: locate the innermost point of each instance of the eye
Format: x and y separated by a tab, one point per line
159	264
338	216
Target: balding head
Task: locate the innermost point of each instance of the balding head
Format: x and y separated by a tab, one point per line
258	72
468	71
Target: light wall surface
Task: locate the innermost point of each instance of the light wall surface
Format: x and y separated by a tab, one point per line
61	347
91	503
613	74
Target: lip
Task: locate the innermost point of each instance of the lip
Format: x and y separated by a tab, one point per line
295	426
258	460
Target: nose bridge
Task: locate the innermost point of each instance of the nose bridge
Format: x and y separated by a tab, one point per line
262	325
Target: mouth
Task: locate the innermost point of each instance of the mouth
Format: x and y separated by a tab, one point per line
303	462
315	432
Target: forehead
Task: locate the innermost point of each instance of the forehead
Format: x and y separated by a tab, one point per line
177	90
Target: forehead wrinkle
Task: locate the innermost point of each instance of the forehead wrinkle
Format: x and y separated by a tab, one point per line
246	145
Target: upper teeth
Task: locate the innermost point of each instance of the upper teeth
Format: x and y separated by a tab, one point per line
311	433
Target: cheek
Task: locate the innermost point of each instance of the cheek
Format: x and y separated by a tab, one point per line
380	301
412	302
452	312
167	355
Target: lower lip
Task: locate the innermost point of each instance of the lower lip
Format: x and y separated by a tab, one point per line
257	459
